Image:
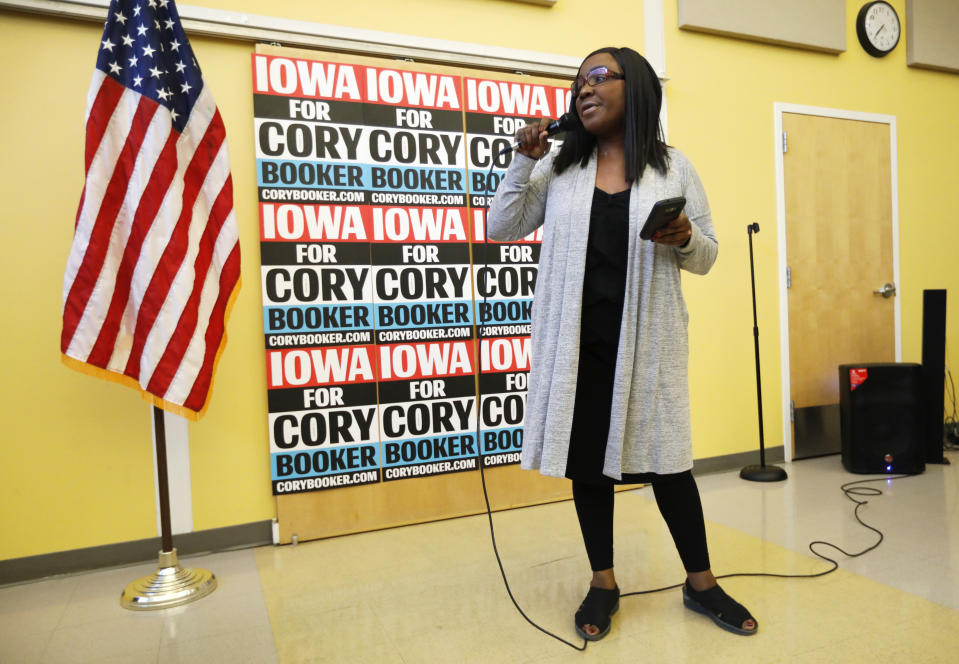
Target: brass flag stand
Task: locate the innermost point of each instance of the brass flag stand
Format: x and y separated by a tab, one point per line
171	585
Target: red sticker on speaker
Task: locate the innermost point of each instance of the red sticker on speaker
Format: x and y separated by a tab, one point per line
857	377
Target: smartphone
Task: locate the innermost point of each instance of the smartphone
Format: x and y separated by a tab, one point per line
663	212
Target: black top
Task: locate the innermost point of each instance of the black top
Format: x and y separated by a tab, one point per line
604	281
604	290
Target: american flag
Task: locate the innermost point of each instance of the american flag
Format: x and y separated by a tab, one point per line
155	259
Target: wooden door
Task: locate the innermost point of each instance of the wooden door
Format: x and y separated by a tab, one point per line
839	249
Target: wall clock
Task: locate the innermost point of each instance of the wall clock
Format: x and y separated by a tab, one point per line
878	28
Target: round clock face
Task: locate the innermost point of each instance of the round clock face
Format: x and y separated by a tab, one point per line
878	28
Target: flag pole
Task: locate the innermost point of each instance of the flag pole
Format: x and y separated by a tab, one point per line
129	97
171	585
163	484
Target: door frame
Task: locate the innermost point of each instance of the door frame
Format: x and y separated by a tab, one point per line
779	108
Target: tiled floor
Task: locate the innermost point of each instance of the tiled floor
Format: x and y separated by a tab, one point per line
432	593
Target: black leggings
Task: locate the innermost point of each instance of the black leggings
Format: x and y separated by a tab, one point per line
678	499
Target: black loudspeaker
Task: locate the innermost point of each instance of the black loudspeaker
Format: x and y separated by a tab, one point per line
933	372
881	418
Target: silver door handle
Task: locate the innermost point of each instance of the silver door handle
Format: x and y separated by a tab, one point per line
887	290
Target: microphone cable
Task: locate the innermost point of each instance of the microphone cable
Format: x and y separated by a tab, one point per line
850	489
479	419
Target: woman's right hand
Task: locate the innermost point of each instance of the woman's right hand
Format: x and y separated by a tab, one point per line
532	139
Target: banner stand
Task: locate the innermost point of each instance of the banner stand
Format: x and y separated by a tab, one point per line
171	585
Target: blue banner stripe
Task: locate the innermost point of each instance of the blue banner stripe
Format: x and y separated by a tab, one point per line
316	318
325	461
493	312
301	174
501	441
415	451
414	315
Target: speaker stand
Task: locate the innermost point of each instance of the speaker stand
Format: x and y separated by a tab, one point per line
762	472
933	373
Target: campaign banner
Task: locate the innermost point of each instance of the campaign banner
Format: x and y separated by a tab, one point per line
365	267
504	273
504	374
343	133
380	293
428	426
323	437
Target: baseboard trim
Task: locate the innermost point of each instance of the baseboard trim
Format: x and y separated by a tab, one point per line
258	533
30	568
727	462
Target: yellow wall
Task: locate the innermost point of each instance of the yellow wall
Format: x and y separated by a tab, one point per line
570	27
75	462
720	100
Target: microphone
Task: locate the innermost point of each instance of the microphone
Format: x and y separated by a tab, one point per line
565	122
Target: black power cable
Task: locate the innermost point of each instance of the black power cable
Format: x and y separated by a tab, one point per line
951	426
849	489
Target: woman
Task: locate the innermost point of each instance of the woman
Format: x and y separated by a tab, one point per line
608	399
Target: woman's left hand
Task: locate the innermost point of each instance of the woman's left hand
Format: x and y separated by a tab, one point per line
676	233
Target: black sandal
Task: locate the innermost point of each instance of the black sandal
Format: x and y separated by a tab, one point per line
723	609
596	609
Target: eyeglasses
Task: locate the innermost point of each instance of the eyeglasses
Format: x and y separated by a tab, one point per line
595	77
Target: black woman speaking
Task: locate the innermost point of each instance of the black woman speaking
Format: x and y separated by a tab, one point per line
608	399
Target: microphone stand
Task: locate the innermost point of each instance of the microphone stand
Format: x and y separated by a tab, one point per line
762	472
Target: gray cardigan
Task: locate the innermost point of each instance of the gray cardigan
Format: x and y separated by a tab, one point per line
649	428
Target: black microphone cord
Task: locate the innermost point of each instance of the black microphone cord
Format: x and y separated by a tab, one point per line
479	418
850	489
